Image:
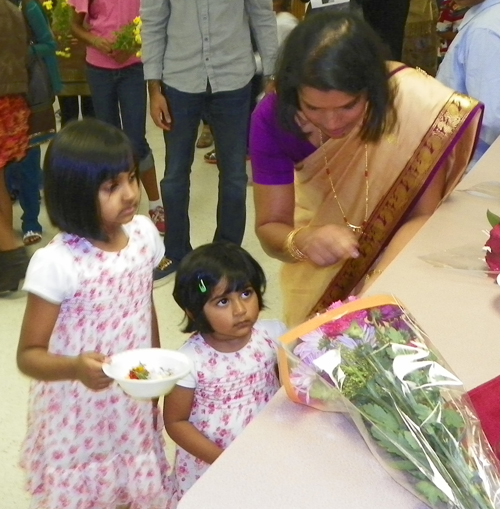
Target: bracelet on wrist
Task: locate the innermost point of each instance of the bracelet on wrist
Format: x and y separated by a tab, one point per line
291	248
372	273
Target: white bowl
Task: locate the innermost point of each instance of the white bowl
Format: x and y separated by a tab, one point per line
153	359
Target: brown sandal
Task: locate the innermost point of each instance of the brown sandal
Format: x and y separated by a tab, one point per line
205	140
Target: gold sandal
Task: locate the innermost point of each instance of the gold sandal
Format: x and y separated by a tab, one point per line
31	237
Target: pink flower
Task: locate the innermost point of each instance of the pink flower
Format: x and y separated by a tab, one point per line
492	257
340	325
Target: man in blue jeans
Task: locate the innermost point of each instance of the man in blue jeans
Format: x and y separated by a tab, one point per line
198	59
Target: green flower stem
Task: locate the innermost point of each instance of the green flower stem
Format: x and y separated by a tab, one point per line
439	449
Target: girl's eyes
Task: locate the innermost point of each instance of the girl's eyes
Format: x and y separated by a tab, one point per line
110	186
245	294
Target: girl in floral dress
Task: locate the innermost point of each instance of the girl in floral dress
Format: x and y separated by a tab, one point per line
88	445
219	286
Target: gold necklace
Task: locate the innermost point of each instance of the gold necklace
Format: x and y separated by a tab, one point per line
355	228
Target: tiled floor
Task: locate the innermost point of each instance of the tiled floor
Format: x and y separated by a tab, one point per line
14	386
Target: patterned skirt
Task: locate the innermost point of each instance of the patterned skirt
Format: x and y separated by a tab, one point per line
14	114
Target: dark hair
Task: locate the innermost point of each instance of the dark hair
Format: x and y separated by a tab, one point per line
201	271
285	5
82	156
336	51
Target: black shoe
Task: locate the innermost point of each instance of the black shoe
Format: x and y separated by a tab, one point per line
13	265
164	272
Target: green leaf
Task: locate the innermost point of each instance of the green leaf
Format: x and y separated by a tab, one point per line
493	219
403	465
452	419
387	440
430	492
381	417
423	412
394	336
410	439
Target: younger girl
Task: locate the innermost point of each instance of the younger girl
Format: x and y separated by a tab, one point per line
89	296
220	288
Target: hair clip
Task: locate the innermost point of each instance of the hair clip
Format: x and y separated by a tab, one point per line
201	285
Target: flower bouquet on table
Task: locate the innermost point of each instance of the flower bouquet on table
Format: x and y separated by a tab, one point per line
474	257
369	358
492	246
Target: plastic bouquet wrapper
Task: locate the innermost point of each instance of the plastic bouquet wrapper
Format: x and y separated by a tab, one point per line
370	359
473	258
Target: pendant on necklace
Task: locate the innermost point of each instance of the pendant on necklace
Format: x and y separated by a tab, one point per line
356	229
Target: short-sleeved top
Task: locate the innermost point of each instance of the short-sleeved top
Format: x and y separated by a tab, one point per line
52	273
104	17
274	151
200	352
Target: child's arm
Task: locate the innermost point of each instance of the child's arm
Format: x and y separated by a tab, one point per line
176	410
80	32
155	331
34	360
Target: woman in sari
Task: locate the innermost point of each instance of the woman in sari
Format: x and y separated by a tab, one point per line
349	157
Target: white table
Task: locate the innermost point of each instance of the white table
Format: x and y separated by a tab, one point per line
295	457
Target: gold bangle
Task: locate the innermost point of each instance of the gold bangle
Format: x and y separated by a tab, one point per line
291	248
372	273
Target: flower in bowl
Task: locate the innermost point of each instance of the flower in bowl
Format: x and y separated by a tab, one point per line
147	372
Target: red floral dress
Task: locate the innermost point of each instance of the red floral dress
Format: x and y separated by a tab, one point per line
86	449
14	114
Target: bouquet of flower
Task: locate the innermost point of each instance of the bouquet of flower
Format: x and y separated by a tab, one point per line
369	358
128	38
60	19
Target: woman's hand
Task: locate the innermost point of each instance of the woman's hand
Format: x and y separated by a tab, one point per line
327	245
89	371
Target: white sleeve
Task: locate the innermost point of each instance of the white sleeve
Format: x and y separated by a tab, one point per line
50	274
274	328
147	226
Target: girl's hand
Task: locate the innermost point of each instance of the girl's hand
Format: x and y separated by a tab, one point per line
327	245
89	371
120	56
102	45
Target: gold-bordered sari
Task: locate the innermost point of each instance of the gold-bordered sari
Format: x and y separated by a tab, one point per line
436	130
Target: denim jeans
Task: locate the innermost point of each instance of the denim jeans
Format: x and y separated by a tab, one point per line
72	105
227	114
119	97
24	178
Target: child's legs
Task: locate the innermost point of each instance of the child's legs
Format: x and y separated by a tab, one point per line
29	189
68	104
104	91
132	97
